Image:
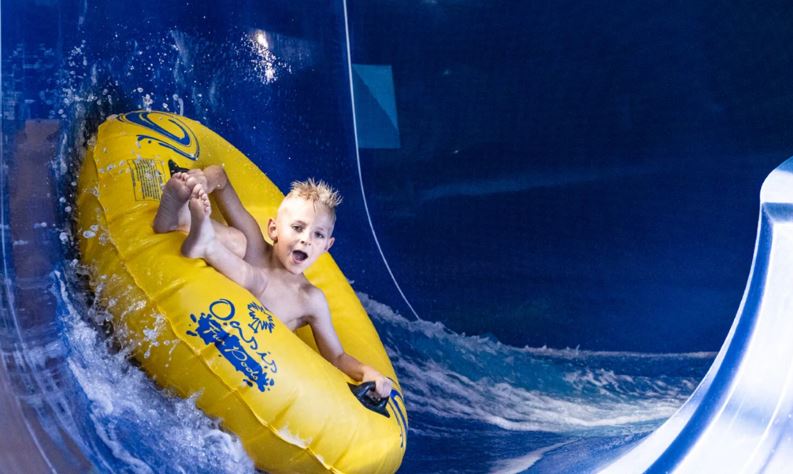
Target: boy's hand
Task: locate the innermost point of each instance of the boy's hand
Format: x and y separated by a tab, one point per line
383	385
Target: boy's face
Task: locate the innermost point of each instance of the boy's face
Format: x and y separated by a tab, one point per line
301	232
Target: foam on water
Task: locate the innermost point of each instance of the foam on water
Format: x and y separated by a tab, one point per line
452	376
450	382
520	464
133	424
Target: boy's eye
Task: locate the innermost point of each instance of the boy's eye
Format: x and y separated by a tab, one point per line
297	228
319	235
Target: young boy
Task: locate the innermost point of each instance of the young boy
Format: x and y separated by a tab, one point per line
301	232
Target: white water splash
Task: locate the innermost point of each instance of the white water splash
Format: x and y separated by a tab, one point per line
474	378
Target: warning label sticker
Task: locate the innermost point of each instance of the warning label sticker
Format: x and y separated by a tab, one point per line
147	178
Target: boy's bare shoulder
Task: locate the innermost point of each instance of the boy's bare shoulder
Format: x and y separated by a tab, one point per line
314	294
317	304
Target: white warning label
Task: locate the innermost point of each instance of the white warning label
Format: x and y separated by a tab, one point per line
147	179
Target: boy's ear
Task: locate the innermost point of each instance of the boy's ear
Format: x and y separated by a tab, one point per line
330	243
272	230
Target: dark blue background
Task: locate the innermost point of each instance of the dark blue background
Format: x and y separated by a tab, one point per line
577	173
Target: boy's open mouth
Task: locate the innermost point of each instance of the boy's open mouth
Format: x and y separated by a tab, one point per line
299	255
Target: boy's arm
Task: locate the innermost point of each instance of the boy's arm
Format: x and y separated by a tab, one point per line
235	213
330	347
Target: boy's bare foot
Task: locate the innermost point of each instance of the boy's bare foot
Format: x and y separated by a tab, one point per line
201	231
172	213
194	177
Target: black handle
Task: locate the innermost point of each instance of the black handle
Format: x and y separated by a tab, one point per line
174	168
361	392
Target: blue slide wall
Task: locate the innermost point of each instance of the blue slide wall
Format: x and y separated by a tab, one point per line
562	175
569	167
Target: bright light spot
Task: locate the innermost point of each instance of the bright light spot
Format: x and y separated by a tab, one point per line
266	64
262	40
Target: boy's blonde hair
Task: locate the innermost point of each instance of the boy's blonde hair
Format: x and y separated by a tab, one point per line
316	191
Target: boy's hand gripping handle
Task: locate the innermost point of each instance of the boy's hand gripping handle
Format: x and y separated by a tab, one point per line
361	392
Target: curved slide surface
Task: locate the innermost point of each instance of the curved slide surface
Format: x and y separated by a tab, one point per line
740	418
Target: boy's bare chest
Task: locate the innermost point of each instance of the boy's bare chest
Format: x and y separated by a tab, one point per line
286	303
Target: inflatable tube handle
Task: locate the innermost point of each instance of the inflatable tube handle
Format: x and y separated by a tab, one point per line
174	168
361	392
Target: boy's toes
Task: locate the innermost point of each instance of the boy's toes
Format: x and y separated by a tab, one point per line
196	204
200	199
175	187
190	181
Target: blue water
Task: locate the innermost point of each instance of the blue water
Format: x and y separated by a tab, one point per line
475	404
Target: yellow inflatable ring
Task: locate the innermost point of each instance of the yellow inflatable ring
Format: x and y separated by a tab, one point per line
198	334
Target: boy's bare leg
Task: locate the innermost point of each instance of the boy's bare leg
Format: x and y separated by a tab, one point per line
202	232
231	237
202	243
172	213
